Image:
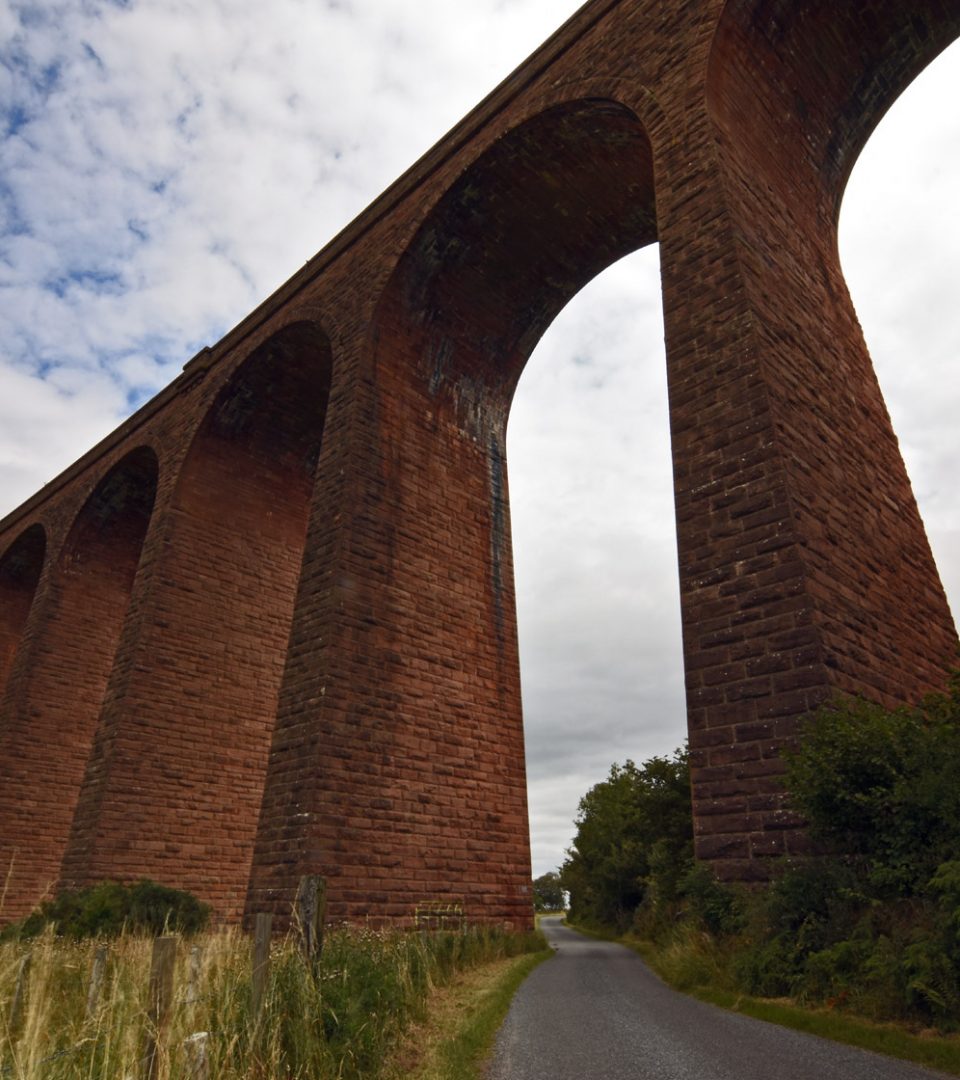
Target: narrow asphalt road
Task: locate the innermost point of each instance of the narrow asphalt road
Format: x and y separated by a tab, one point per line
596	1012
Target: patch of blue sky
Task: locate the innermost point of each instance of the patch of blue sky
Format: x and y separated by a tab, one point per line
15	118
32	84
137	396
47	78
91	53
186	115
12	221
142	372
31	15
98	282
39	80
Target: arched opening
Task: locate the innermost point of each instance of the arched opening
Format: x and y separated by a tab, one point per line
20	569
595	548
190	713
51	709
429	755
900	250
544	210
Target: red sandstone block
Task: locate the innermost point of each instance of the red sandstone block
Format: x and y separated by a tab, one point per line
767	845
713	814
722	847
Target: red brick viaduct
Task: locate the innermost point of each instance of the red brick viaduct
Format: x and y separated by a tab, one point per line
266	628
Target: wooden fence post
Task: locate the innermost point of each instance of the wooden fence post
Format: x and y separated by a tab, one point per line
19	991
261	962
196	1053
96	980
193	976
309	916
161	999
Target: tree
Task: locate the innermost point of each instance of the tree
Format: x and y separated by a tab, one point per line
548	892
634	835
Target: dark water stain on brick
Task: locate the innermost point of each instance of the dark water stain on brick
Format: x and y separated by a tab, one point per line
498	538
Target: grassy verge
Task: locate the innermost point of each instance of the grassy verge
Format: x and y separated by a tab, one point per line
700	973
935	1051
344	1019
462	1021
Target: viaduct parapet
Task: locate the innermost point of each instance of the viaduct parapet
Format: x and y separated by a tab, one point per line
266	628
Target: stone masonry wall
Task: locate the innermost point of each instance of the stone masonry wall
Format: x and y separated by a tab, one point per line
267	627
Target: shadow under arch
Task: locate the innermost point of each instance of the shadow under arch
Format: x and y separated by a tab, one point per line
55	695
817	77
431	759
190	714
543	210
20	568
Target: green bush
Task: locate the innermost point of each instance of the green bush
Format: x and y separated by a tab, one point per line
107	909
716	908
881	786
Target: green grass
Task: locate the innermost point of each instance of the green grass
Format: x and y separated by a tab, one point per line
934	1051
462	1055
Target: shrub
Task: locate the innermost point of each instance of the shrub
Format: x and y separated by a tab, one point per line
881	786
715	907
107	909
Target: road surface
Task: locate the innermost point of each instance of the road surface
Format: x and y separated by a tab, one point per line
596	1012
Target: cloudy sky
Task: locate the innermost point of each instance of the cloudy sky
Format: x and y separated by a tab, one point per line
166	164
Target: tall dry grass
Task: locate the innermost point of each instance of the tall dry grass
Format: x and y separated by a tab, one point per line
340	1019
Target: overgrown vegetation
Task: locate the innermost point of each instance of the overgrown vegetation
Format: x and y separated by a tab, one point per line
108	909
871	925
341	1019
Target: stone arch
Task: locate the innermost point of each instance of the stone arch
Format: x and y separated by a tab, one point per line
191	714
51	707
545	208
421	703
20	568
